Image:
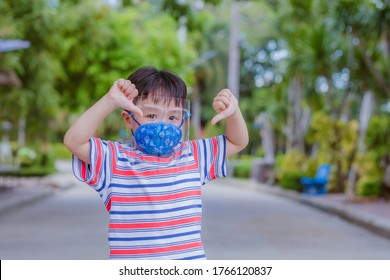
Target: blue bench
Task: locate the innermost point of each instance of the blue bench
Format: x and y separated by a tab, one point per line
317	185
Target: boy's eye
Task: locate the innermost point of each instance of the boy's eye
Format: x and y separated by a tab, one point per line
173	118
151	116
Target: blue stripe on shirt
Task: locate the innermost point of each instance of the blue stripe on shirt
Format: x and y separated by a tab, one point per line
153	237
156	211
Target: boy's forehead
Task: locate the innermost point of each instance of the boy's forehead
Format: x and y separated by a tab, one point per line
161	102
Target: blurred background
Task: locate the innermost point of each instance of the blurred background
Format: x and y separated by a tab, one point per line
312	78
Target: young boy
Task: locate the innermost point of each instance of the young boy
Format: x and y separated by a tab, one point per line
152	186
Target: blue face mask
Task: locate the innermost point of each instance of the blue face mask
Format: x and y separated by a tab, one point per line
157	138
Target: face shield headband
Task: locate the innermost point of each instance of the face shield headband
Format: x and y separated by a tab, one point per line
161	128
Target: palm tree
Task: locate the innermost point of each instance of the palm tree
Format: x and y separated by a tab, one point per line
368	23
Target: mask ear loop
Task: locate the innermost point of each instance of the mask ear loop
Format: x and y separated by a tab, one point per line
186	115
132	116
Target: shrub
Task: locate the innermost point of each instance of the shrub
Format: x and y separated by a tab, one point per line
291	167
243	167
37	160
25	156
373	164
336	140
369	186
370	175
61	152
291	180
35	170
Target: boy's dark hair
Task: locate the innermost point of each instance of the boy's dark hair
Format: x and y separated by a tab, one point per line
154	83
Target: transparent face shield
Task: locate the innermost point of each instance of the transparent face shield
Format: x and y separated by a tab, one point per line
164	126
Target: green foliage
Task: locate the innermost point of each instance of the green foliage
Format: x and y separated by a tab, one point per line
78	49
369	186
25	156
378	135
179	9
270	100
336	138
60	151
292	160
290	180
35	160
369	165
213	130
370	175
291	167
337	144
259	152
243	167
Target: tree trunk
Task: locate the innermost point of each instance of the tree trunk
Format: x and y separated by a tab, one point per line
340	177
294	130
385	192
386	46
386	177
328	98
364	118
345	102
299	135
267	137
234	53
290	120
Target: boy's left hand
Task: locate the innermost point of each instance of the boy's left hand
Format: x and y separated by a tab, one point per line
225	104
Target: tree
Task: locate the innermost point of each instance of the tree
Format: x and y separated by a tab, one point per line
368	22
36	22
78	49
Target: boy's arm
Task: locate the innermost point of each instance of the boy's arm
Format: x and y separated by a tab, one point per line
120	95
226	105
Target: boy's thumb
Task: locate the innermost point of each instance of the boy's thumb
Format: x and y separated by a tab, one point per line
134	109
217	118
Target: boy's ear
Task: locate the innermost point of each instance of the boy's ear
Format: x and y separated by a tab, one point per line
128	120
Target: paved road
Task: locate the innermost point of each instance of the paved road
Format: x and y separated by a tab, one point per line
71	224
238	224
246	224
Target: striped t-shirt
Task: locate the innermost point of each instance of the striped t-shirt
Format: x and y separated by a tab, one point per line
154	203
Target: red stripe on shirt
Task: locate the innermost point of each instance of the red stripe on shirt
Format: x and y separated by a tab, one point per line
99	155
157	250
108	206
215	150
195	152
156	224
152	158
155	197
83	170
156	172
151	173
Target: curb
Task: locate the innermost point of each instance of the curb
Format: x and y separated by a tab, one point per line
59	180
371	222
366	220
17	197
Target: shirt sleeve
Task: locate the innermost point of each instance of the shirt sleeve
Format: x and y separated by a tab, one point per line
98	173
210	154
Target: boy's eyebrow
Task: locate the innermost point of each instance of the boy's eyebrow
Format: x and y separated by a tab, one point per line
162	107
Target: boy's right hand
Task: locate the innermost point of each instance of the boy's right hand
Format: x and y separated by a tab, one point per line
122	94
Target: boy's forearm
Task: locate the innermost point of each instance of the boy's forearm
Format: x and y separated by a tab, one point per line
77	137
236	133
